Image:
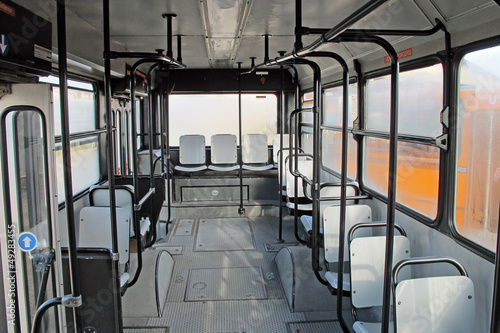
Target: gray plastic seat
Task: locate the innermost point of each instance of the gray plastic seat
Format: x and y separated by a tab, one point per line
224	155
192	155
255	152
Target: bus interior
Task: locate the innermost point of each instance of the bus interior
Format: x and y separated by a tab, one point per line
244	166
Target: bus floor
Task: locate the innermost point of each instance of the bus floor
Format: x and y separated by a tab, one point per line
225	280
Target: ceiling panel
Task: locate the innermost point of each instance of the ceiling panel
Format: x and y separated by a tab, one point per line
454	9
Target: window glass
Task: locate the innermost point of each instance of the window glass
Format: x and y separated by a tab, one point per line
210	114
81	106
84	165
420	102
332	152
333	99
417	182
478	177
307	102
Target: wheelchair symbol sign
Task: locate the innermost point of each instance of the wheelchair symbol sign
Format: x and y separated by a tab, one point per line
27	241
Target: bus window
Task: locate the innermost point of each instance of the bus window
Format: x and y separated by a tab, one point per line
478	176
84	151
210	114
420	104
420	101
332	130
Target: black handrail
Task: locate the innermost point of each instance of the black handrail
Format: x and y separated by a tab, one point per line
363	11
495	314
425	260
66	158
393	155
153	68
241	209
37	320
109	150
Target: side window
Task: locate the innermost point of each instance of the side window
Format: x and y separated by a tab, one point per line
420	104
478	164
84	147
331	128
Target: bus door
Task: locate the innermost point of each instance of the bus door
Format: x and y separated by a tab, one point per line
27	208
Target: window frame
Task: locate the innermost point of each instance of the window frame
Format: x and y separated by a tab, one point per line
338	129
453	157
98	131
363	132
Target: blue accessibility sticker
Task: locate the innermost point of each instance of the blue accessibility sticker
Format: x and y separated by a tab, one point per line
4	45
27	241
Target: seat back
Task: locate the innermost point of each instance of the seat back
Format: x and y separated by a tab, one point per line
276	147
192	149
443	304
305	166
367	260
254	149
224	149
95	230
331	222
124	197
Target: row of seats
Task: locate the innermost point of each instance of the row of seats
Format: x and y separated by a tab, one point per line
423	304
224	153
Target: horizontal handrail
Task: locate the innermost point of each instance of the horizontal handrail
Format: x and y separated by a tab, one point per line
144	199
426	260
371	225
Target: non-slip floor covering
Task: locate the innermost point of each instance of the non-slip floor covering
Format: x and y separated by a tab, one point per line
232	234
332	326
224	284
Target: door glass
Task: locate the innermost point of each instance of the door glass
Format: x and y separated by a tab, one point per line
27	152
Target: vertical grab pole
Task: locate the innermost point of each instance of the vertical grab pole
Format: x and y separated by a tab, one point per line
315	191
495	315
151	130
343	179
282	129
110	160
167	144
241	209
66	157
391	188
393	156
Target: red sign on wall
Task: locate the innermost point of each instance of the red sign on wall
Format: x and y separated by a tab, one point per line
7	9
401	54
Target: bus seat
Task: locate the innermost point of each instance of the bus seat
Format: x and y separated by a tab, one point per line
192	155
124	197
276	148
255	152
143	161
453	295
367	259
224	155
305	167
95	232
331	222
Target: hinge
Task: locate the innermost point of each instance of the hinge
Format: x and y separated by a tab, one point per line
355	124
442	142
444	117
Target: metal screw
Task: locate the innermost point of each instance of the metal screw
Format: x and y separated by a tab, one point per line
470	297
399	303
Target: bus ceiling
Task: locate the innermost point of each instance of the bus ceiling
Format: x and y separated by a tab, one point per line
220	33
